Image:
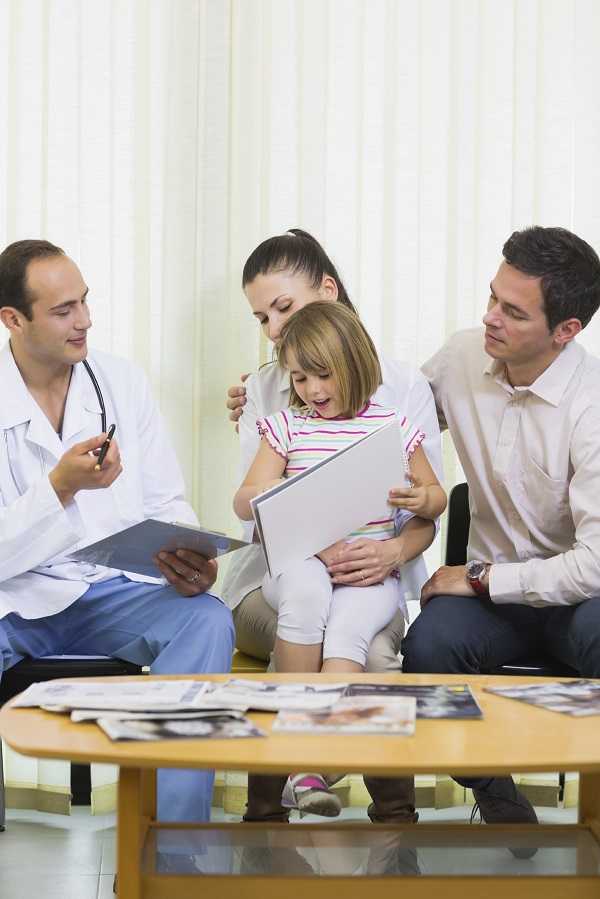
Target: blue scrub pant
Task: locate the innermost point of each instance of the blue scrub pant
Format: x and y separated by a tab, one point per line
147	624
468	635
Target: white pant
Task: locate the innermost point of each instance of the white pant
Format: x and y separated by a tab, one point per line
312	610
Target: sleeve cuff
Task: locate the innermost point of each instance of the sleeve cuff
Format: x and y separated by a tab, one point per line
505	583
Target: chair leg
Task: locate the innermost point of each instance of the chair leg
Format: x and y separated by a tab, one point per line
561	786
2	798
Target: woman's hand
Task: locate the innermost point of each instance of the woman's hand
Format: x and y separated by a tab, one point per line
364	562
236	399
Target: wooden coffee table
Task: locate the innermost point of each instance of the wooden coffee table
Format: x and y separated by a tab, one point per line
512	736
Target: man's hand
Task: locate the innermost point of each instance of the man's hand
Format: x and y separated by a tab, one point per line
449	580
236	399
187	571
363	562
76	469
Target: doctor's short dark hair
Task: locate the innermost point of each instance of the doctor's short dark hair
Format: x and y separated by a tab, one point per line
14	261
568	266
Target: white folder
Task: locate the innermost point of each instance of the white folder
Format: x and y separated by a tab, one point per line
325	503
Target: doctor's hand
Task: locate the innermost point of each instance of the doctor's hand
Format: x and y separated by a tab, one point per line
187	571
76	469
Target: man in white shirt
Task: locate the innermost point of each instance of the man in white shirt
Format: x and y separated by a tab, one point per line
52	500
522	405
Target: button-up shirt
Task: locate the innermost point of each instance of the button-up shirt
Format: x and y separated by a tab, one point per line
531	456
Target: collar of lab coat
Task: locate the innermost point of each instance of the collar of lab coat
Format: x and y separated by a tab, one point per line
17	406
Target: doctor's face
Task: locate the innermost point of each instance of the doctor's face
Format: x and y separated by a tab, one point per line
60	317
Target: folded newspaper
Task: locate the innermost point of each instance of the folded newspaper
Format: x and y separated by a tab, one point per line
145	694
271	697
140	694
209	726
579	698
393	716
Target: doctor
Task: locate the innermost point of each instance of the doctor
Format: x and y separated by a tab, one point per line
53	418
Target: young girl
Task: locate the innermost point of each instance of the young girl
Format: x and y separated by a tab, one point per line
324	625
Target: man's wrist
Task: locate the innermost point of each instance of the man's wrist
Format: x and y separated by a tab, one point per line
64	494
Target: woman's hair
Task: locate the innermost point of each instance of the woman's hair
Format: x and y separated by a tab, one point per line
298	252
327	337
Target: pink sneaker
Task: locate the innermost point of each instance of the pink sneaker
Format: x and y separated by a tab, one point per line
310	794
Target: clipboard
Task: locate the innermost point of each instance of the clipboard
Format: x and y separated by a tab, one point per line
133	548
308	512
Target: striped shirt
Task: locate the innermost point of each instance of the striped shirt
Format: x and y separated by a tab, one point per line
304	438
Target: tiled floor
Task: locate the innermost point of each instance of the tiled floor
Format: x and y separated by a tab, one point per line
60	857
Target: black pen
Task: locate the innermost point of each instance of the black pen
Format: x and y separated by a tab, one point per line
104	448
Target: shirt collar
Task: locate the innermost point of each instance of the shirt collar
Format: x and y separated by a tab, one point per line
551	385
18	405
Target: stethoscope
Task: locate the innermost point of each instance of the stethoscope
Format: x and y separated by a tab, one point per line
94	381
88	368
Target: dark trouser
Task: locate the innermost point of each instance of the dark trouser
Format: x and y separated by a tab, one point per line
468	635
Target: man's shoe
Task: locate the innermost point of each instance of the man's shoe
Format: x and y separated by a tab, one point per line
388	857
501	803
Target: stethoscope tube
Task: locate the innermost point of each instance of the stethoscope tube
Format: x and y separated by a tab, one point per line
88	368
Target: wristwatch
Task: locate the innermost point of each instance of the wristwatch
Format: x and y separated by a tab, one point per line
476	571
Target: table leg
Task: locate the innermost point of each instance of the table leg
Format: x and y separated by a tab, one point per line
589	798
134	806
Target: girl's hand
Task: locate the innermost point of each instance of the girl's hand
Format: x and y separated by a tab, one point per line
269	484
413	499
364	562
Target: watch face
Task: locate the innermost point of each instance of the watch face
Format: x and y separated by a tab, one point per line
475	569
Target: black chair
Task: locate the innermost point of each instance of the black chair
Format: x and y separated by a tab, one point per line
29	671
459	520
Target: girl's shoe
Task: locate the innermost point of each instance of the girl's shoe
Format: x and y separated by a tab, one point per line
310	794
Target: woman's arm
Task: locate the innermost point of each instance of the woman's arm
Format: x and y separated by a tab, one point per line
426	497
265	472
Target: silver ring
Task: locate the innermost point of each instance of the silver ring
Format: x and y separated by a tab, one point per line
195	578
362	574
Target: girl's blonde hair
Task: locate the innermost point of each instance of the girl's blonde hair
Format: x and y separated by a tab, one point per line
328	337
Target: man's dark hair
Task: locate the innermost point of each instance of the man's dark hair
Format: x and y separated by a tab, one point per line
13	272
295	251
568	266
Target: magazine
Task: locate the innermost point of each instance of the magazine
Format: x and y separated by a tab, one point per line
208	727
354	715
79	715
433	700
577	697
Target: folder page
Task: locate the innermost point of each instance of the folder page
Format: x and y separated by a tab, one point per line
325	503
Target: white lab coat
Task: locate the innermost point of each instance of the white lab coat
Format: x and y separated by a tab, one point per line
36	532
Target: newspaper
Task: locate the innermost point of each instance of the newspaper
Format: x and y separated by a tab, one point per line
354	715
271	697
433	700
140	694
208	727
579	698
